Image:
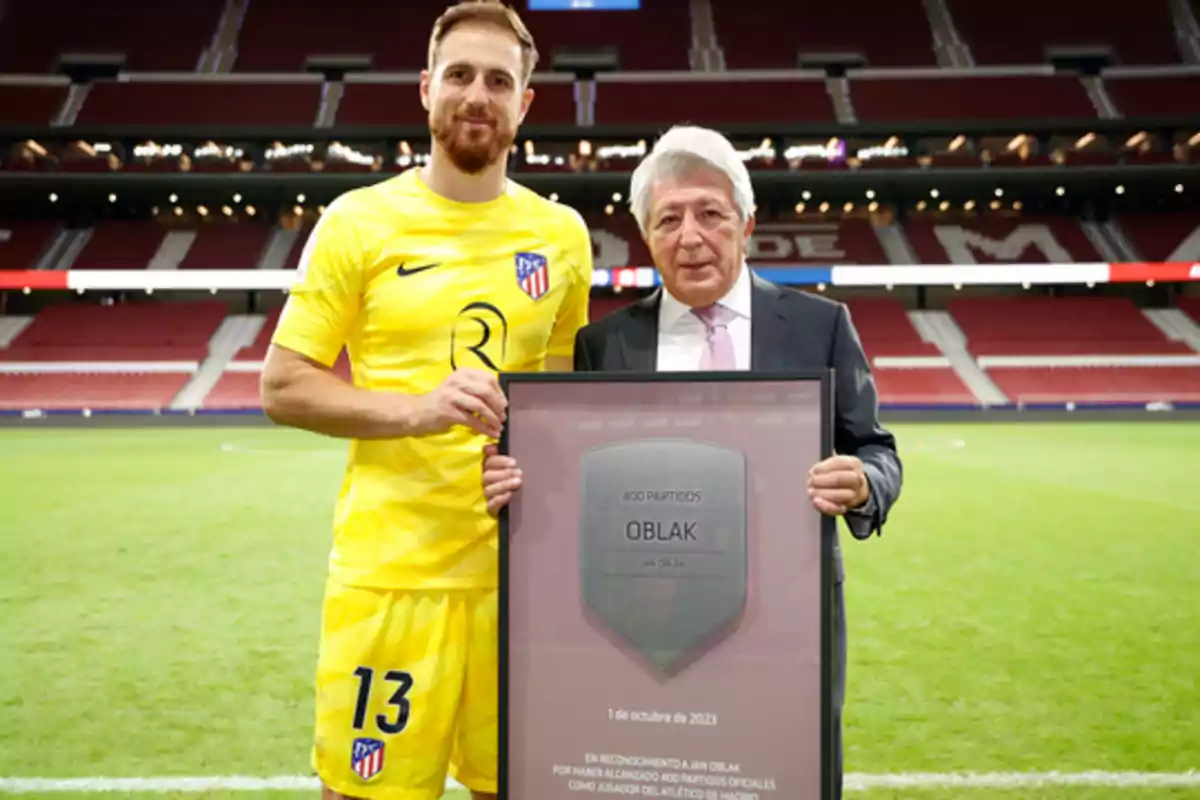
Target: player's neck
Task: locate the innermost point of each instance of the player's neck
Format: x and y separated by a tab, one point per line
443	178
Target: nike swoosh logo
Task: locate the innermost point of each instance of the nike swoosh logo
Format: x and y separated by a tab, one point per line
401	271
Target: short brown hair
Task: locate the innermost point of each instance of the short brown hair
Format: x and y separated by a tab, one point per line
494	12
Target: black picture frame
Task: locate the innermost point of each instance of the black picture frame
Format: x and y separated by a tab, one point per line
828	526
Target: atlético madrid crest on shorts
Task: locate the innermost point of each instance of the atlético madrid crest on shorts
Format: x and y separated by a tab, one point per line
366	758
533	274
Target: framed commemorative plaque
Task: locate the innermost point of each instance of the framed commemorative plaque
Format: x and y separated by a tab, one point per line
666	588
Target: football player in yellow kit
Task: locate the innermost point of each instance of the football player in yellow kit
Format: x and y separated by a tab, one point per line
433	281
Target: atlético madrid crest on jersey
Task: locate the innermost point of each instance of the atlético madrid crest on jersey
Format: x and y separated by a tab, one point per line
366	758
533	274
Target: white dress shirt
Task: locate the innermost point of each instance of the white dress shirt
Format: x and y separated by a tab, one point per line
682	337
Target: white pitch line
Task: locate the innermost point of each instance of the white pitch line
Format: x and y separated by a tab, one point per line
1009	780
854	782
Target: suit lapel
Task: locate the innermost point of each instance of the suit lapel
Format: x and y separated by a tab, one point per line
769	349
639	342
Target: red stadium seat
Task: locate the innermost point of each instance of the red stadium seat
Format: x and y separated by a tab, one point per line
227	245
120	244
996	240
1019	326
1154	96
205	103
1164	236
151	35
94	390
1001	33
770	36
991	97
1098	384
22	242
147	331
30	105
924	386
886	330
1190	305
709	100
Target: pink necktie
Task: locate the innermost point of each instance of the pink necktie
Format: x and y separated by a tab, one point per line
719	354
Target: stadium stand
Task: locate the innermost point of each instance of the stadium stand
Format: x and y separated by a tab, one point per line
210	65
169	331
937	97
708	100
120	244
997	35
23	242
1058	326
202	104
995	239
35	33
1163	236
754	36
30	104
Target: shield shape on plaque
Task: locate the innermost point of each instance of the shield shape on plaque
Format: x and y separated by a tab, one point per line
663	545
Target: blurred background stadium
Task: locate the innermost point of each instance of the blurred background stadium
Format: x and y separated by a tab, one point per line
1007	196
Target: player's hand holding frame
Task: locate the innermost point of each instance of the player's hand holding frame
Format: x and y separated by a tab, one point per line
470	397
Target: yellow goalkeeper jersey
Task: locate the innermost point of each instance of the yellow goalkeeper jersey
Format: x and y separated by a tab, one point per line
414	285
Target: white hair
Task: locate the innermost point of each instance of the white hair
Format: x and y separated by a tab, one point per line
684	149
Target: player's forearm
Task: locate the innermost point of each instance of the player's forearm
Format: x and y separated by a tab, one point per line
318	401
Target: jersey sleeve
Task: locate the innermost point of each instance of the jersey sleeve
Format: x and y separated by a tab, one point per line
573	313
327	294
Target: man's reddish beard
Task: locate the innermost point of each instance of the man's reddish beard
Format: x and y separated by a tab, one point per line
469	154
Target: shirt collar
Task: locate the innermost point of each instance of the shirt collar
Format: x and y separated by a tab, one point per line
737	300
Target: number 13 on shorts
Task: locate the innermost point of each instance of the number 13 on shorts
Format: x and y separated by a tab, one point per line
406	692
403	682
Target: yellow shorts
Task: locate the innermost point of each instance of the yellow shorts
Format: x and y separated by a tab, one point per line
407	692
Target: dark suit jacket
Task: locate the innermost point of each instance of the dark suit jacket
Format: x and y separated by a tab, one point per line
790	330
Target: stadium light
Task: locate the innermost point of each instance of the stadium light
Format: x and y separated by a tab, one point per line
1179	188
299	198
806	194
1060	191
554	197
800	208
824	206
873	207
999	192
870	194
237	198
934	193
608	209
969	205
848	207
174	198
112	198
1120	189
616	197
54	197
922	205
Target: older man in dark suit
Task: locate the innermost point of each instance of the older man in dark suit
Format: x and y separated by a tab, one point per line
694	203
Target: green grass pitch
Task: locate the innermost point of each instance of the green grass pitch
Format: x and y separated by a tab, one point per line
1032	606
